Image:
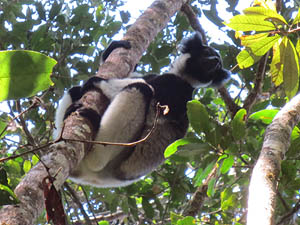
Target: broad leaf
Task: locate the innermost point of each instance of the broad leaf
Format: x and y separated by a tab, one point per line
250	55
266	115
238	124
198	116
246	58
248	40
172	148
267	13
290	68
24	73
228	199
298	47
297	18
227	164
276	67
250	23
201	175
261	47
26	166
211	187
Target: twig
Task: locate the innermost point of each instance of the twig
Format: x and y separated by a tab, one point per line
199	196
23	124
25	153
288	216
75	198
252	97
33	105
193	19
130	144
60	138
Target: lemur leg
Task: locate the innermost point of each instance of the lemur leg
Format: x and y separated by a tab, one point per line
147	155
122	122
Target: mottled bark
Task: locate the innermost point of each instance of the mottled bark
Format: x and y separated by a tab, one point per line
263	184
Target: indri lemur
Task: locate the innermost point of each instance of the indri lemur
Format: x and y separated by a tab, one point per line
131	112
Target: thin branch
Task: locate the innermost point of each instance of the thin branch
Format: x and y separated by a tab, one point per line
78	203
193	19
24	126
130	144
199	196
232	107
88	202
287	217
60	138
34	104
259	81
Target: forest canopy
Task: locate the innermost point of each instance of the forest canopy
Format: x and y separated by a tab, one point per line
240	154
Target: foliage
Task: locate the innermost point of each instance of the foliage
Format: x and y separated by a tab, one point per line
74	34
271	30
24	73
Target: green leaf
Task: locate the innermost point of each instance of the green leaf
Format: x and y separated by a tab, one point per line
198	116
276	67
13	166
246	59
256	48
24	73
297	18
298	47
26	166
34	160
238	124
227	164
201	175
7	196
175	217
228	199
54	10
172	148
250	23
290	68
103	222
149	211
248	40
266	115
2	127
261	47
267	13
189	220
211	187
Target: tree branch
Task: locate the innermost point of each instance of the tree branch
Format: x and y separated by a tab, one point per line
195	204
68	155
263	184
259	81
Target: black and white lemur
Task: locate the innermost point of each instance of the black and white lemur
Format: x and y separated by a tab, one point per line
131	113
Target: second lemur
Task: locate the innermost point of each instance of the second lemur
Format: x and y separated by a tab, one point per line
131	113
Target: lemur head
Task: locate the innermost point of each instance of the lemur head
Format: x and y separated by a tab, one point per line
199	64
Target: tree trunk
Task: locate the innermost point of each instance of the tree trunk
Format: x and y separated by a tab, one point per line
63	157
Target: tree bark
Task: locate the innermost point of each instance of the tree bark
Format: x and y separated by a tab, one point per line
263	184
63	157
